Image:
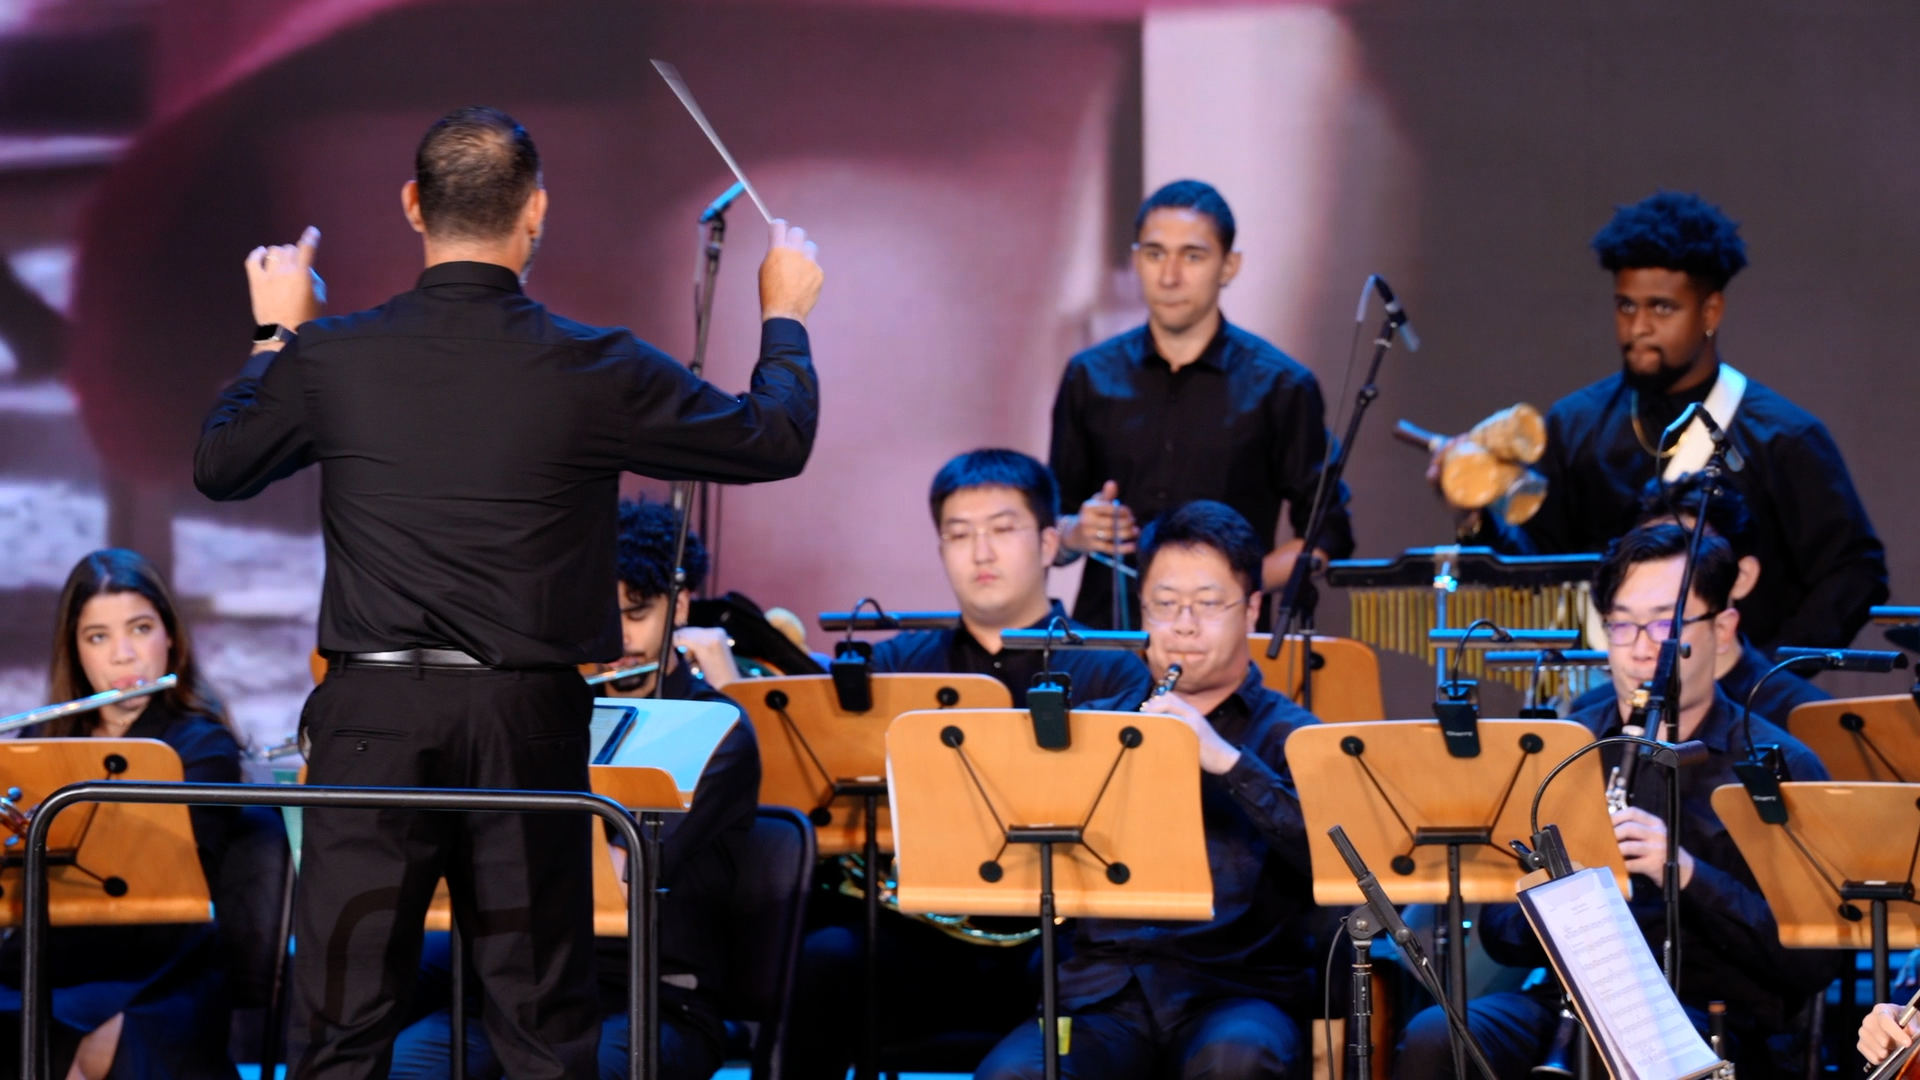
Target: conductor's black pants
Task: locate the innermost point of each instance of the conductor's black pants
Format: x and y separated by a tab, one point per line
521	883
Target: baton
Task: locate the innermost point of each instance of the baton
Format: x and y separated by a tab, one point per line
672	75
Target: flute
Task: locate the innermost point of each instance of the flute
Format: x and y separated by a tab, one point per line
86	704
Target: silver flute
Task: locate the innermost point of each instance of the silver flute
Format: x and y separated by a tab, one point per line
86	704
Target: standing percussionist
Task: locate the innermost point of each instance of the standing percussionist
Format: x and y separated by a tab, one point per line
1671	257
471	445
1187	407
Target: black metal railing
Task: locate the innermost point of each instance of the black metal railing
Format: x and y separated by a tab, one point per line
643	957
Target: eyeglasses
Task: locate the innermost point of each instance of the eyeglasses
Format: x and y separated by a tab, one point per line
1210	610
996	534
1659	630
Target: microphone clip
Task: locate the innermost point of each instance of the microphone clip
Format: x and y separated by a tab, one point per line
1457	707
852	672
1762	774
1048	702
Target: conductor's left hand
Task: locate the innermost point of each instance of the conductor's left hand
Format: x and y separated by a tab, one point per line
790	276
286	289
1217	755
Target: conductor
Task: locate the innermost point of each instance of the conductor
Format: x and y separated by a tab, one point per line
470	444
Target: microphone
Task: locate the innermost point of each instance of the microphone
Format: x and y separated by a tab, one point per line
1394	311
1847	659
719	206
1697	410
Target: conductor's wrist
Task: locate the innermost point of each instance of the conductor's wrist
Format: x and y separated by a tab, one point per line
794	313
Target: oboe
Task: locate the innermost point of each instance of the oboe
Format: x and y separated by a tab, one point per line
1620	781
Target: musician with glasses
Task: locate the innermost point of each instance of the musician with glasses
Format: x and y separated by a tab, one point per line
1741	670
1225	998
994	511
1729	942
1671	257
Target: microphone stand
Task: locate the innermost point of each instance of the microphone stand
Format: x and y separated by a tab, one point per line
714	220
1664	702
1300	599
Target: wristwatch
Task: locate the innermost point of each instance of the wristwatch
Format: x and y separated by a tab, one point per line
266	332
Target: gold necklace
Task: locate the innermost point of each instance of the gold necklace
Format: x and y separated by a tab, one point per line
1640	435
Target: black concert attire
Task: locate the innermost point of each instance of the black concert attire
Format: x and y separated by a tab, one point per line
1823	565
937	985
168	981
1097	674
1222	998
697	873
1243	424
1781	695
471	445
1730	947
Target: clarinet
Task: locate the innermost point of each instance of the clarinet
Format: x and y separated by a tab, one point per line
1620	781
1166	684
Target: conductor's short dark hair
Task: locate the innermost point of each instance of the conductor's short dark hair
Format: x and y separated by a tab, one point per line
1713	575
1206	524
1670	230
994	467
475	169
645	551
1201	198
1727	513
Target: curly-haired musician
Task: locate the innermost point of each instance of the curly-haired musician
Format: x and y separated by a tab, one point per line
1672	257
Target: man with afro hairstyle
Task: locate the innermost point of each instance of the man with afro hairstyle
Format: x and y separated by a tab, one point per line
1671	256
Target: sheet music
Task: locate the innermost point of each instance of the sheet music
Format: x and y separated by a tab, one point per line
677	736
1636	1018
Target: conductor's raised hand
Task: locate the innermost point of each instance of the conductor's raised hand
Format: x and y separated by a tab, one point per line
285	287
790	276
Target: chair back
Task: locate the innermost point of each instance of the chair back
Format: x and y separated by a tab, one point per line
768	914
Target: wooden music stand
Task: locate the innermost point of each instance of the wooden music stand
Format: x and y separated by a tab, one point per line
988	823
113	863
1346	676
1441	823
1844	844
1869	738
832	763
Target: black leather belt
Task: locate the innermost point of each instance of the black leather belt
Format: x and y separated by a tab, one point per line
407	658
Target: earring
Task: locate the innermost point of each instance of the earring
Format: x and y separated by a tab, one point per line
1709	334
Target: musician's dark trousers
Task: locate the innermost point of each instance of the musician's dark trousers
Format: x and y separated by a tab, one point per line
521	883
1123	1038
1513	1030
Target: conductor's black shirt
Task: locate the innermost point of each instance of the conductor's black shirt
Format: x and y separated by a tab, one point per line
1244	425
1821	566
471	444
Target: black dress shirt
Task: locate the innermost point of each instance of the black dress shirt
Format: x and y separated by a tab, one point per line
1781	695
698	869
1821	566
1262	883
1244	425
471	445
1097	674
1729	944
